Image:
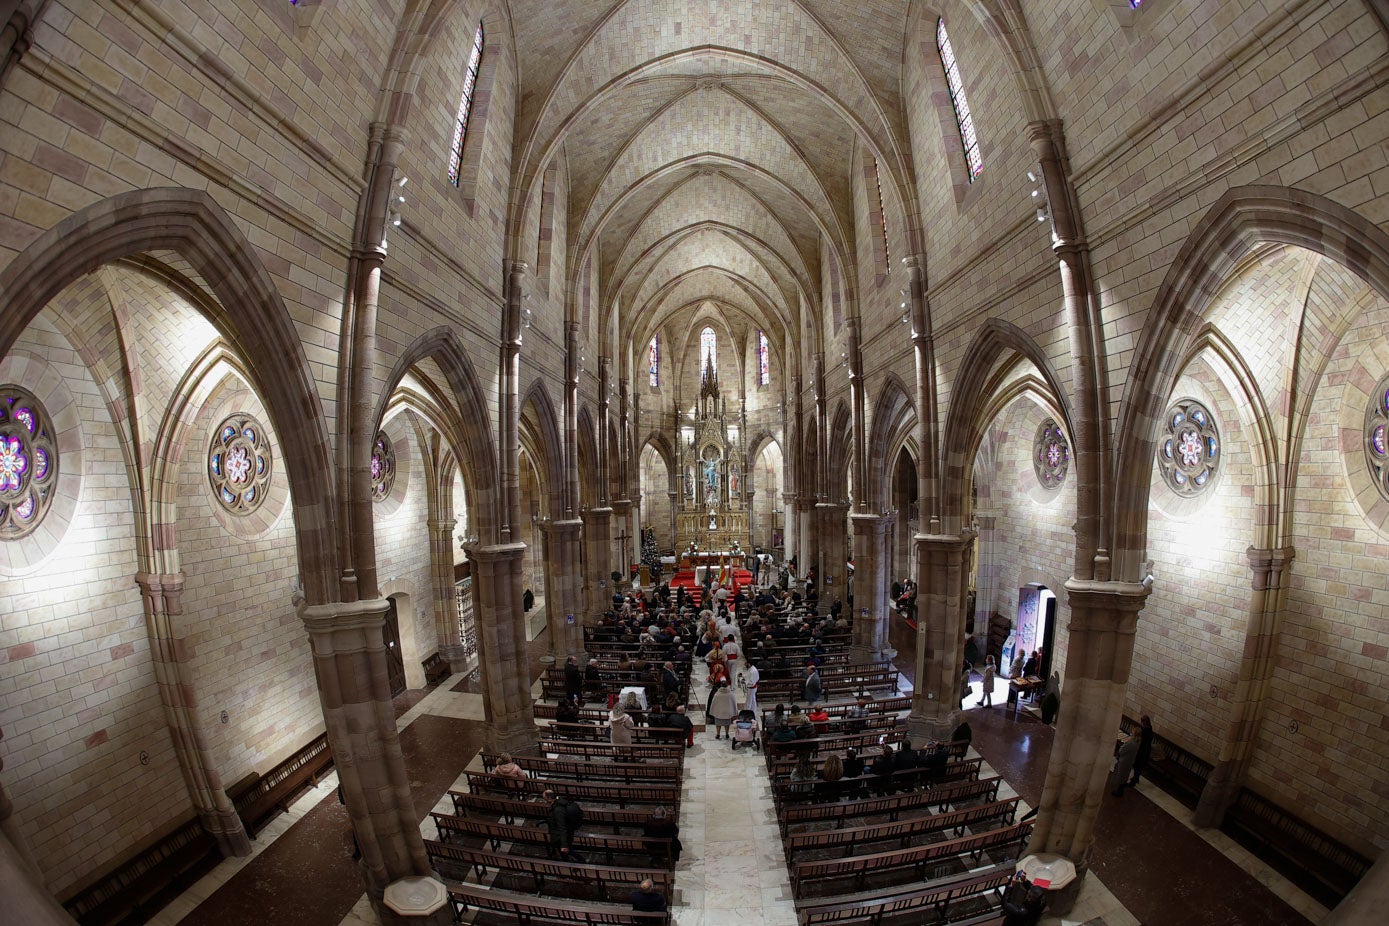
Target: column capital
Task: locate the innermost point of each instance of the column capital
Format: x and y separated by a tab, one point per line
561	530
871	523
944	542
321	620
1268	564
442	524
1093	596
494	552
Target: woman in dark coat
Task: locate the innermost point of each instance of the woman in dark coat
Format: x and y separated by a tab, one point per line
1145	748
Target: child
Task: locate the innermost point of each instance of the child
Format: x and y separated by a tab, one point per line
745	730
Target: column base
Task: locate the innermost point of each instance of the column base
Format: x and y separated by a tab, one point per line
457	658
226	828
511	737
933	728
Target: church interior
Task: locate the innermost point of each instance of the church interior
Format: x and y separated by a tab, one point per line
356	356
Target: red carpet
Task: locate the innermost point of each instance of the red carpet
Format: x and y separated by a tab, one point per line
685	578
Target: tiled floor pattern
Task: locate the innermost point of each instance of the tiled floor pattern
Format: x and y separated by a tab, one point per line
734	870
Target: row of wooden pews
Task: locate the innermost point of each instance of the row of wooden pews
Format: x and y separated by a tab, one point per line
914	846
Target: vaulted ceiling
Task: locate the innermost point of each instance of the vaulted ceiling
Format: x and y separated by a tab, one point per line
708	146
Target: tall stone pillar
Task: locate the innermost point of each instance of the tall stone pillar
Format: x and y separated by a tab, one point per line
26	898
598	526
1104	617
791	532
674	509
833	528
942	580
350	666
871	570
501	631
987	572
162	596
445	596
808	547
1269	569
622	535
564	608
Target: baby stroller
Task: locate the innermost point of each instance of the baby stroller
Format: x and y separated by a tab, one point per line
745	730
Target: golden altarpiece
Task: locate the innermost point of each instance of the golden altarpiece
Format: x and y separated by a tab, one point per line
712	455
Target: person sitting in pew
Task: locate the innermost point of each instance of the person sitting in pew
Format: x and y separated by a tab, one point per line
662	825
881	770
934	759
905	757
853	765
646	899
507	767
568	711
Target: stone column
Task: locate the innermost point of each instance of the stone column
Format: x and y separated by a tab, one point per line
501	631
445	594
871	570
942	580
674	509
563	592
598	525
1269	569
26	898
791	534
833	528
162	597
1104	617
622	524
353	688
808	548
987	574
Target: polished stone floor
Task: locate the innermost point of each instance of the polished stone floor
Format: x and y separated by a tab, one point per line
1149	866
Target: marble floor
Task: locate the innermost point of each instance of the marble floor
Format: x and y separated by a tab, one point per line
1149	865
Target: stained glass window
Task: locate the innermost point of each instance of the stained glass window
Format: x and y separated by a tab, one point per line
882	215
655	365
1135	3
1377	436
28	462
764	366
382	467
708	354
239	464
973	160
465	106
1051	454
1189	452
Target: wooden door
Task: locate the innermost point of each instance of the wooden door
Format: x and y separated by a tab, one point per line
395	663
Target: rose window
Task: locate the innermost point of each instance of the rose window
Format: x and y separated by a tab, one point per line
1051	455
1189	452
239	464
382	467
28	462
1377	436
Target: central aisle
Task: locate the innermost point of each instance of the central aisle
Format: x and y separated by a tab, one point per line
733	870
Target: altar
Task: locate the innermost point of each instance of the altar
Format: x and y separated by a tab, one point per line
689	560
712	511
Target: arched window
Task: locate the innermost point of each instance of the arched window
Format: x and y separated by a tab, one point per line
465	105
655	365
764	367
882	216
963	119
708	355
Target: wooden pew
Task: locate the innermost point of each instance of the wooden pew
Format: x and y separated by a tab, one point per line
609	882
613	795
847	840
940	796
850	678
593	733
547	769
781	765
454	829
590	749
528	909
863	742
907	779
509	810
911	862
840	709
912	906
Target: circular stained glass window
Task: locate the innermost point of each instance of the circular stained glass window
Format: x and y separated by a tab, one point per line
28	462
239	464
1377	436
1051	455
382	467
1189	450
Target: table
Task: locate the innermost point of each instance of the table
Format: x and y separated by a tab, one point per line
1019	688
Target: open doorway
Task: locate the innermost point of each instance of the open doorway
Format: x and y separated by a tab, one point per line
1035	628
395	657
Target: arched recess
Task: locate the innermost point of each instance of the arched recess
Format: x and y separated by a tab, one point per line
477	454
838	476
1240	221
767	465
588	460
540	434
894	418
659	484
248	314
974	405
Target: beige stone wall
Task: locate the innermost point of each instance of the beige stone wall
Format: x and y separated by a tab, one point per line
655	502
78	699
248	654
1191	632
402	544
1034	539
